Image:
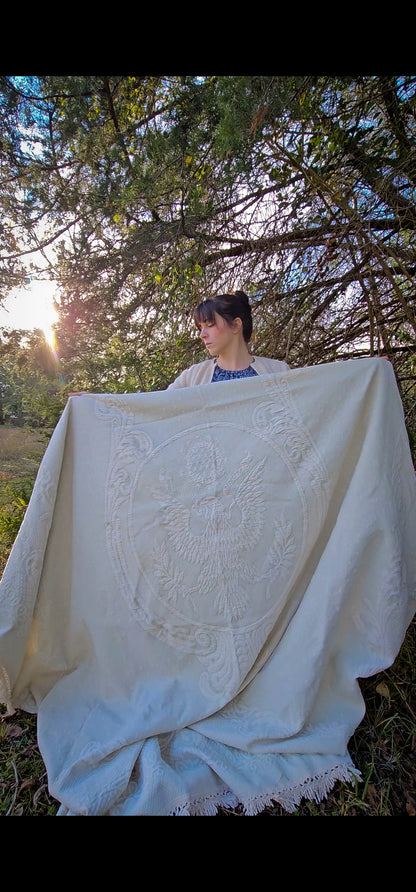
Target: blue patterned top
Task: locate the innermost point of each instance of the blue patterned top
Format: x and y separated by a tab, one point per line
228	375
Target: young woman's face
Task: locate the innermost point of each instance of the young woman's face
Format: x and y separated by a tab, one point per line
217	336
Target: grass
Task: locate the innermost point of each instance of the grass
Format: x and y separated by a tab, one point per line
23	779
21	451
383	747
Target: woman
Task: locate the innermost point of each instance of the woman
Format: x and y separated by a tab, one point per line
225	326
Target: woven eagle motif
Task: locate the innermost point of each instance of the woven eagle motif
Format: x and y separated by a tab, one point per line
215	531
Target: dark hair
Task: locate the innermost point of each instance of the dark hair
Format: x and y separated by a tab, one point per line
229	306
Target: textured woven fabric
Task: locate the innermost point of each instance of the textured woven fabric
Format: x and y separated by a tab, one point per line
201	577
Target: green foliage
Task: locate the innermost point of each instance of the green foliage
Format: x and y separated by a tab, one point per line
17	497
21	451
31	391
156	191
298	189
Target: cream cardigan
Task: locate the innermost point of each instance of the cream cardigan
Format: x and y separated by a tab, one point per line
202	372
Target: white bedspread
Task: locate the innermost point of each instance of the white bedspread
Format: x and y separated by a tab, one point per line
200	578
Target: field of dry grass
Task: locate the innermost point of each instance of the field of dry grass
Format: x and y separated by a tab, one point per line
21	451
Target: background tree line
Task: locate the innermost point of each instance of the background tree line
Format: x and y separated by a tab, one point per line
139	196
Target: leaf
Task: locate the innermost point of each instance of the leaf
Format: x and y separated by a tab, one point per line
383	690
39	793
15	731
26	784
410	806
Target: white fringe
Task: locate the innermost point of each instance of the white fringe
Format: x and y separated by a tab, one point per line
316	788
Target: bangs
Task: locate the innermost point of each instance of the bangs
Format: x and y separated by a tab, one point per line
205	312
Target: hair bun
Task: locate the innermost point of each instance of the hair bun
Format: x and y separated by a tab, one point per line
242	296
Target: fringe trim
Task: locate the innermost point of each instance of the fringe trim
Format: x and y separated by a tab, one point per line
208	805
316	788
6	693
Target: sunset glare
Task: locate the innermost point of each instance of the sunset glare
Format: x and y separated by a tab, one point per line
30	308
